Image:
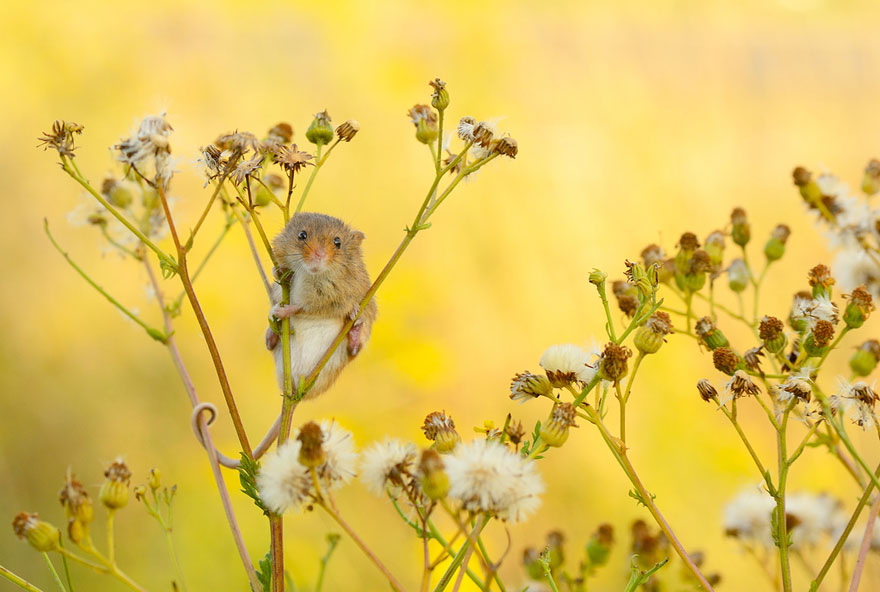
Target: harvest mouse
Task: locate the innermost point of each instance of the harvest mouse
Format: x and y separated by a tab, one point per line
328	283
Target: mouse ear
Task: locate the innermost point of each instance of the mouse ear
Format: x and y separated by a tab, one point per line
357	236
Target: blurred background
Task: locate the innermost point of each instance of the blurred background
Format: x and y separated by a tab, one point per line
636	121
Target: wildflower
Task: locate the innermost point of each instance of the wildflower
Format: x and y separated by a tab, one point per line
747	517
320	131
526	385
612	364
281	133
283	482
42	536
506	147
741	232
650	336
554	431
246	168
566	364
860	399
466	129
775	247
741	385
738	275
61	137
710	335
515	432
627	297
292	159
487	477
819	338
337	446
389	463
726	360
821	281
871	180
425	120
858	309
440	96
863	362
599	546
434	480
706	390
752	358
114	491
348	130
440	428
771	333
75	500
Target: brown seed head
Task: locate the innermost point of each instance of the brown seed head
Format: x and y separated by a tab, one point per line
820	275
660	323
653	254
605	534
23	522
823	333
872	346
864	393
705	327
781	233
700	262
706	390
437	422
506	147
752	358
60	137
741	384
688	242
770	328
613	362
862	298
281	132
725	360
801	176
118	472
873	169
564	415
348	130
291	158
483	134
311	452
515	432
526	385
422	113
738	216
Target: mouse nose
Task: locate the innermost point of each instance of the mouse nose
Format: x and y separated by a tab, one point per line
319	253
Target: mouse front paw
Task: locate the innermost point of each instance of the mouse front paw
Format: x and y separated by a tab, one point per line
285	311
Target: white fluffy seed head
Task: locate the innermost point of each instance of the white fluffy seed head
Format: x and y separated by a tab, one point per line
388	464
487	477
282	481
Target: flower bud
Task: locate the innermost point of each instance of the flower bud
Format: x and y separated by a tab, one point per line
440	428
807	186
706	390
76	531
710	335
645	282
42	536
612	364
714	246
75	500
865	360
859	308
771	333
434	481
555	551
650	336
821	281
726	360
311	451
116	193
775	247
694	277
871	180
425	120
262	197
740	231
599	546
554	431
597	277
738	275
114	491
440	96
526	385
817	341
687	245
348	130
320	131
533	565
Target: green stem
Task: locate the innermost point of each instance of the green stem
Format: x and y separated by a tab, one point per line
167	259
765	474
439	153
18	581
457	560
151	331
54	573
332	541
67	572
609	322
111	548
175	559
688	303
549	576
781	527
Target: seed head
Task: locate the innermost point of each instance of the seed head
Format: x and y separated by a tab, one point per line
311	450
726	360
440	428
281	133
61	137
320	131
706	390
821	281
741	384
440	96
466	128
114	491
75	500
650	336
554	431
859	308
710	335
42	536
348	130
506	147
740	231
526	386
425	120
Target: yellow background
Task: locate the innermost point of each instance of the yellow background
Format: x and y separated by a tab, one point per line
635	121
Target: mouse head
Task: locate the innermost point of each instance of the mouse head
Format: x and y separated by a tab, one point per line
317	243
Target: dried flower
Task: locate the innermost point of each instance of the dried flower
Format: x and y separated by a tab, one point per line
425	120
858	309
741	385
710	334
554	431
440	428
42	536
281	133
726	360
771	333
348	130
819	338
311	451
752	358
515	432
821	281
61	137
650	336
612	364
292	159
434	481
484	134
795	386
526	386
565	364
114	491
320	131
506	147
466	128
75	500
599	546
627	297
440	96
487	477
246	168
706	390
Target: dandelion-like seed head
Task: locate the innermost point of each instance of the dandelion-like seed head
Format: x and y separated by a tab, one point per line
389	464
466	128
283	482
487	477
747	517
565	364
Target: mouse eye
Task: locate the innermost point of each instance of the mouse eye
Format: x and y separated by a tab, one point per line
303	235
337	242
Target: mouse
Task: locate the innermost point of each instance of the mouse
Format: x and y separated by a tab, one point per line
328	282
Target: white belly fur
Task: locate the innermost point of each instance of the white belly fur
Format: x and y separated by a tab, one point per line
310	339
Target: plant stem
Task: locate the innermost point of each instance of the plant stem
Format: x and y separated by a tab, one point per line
765	474
253	248
111	547
183	272
18	581
456	562
865	546
481	521
609	322
648	500
781	527
54	573
369	553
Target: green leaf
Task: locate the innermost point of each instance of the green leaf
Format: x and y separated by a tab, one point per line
247	476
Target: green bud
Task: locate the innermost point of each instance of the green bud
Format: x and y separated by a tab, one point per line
775	247
818	340
741	233
597	277
440	96
871	180
864	361
425	120
263	197
435	481
807	187
599	546
714	246
554	431
821	281
650	336
42	536
710	335
114	491
858	309
76	531
771	332
154	480
320	131
738	275
532	563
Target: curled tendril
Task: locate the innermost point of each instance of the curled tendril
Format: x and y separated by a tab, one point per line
196	419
